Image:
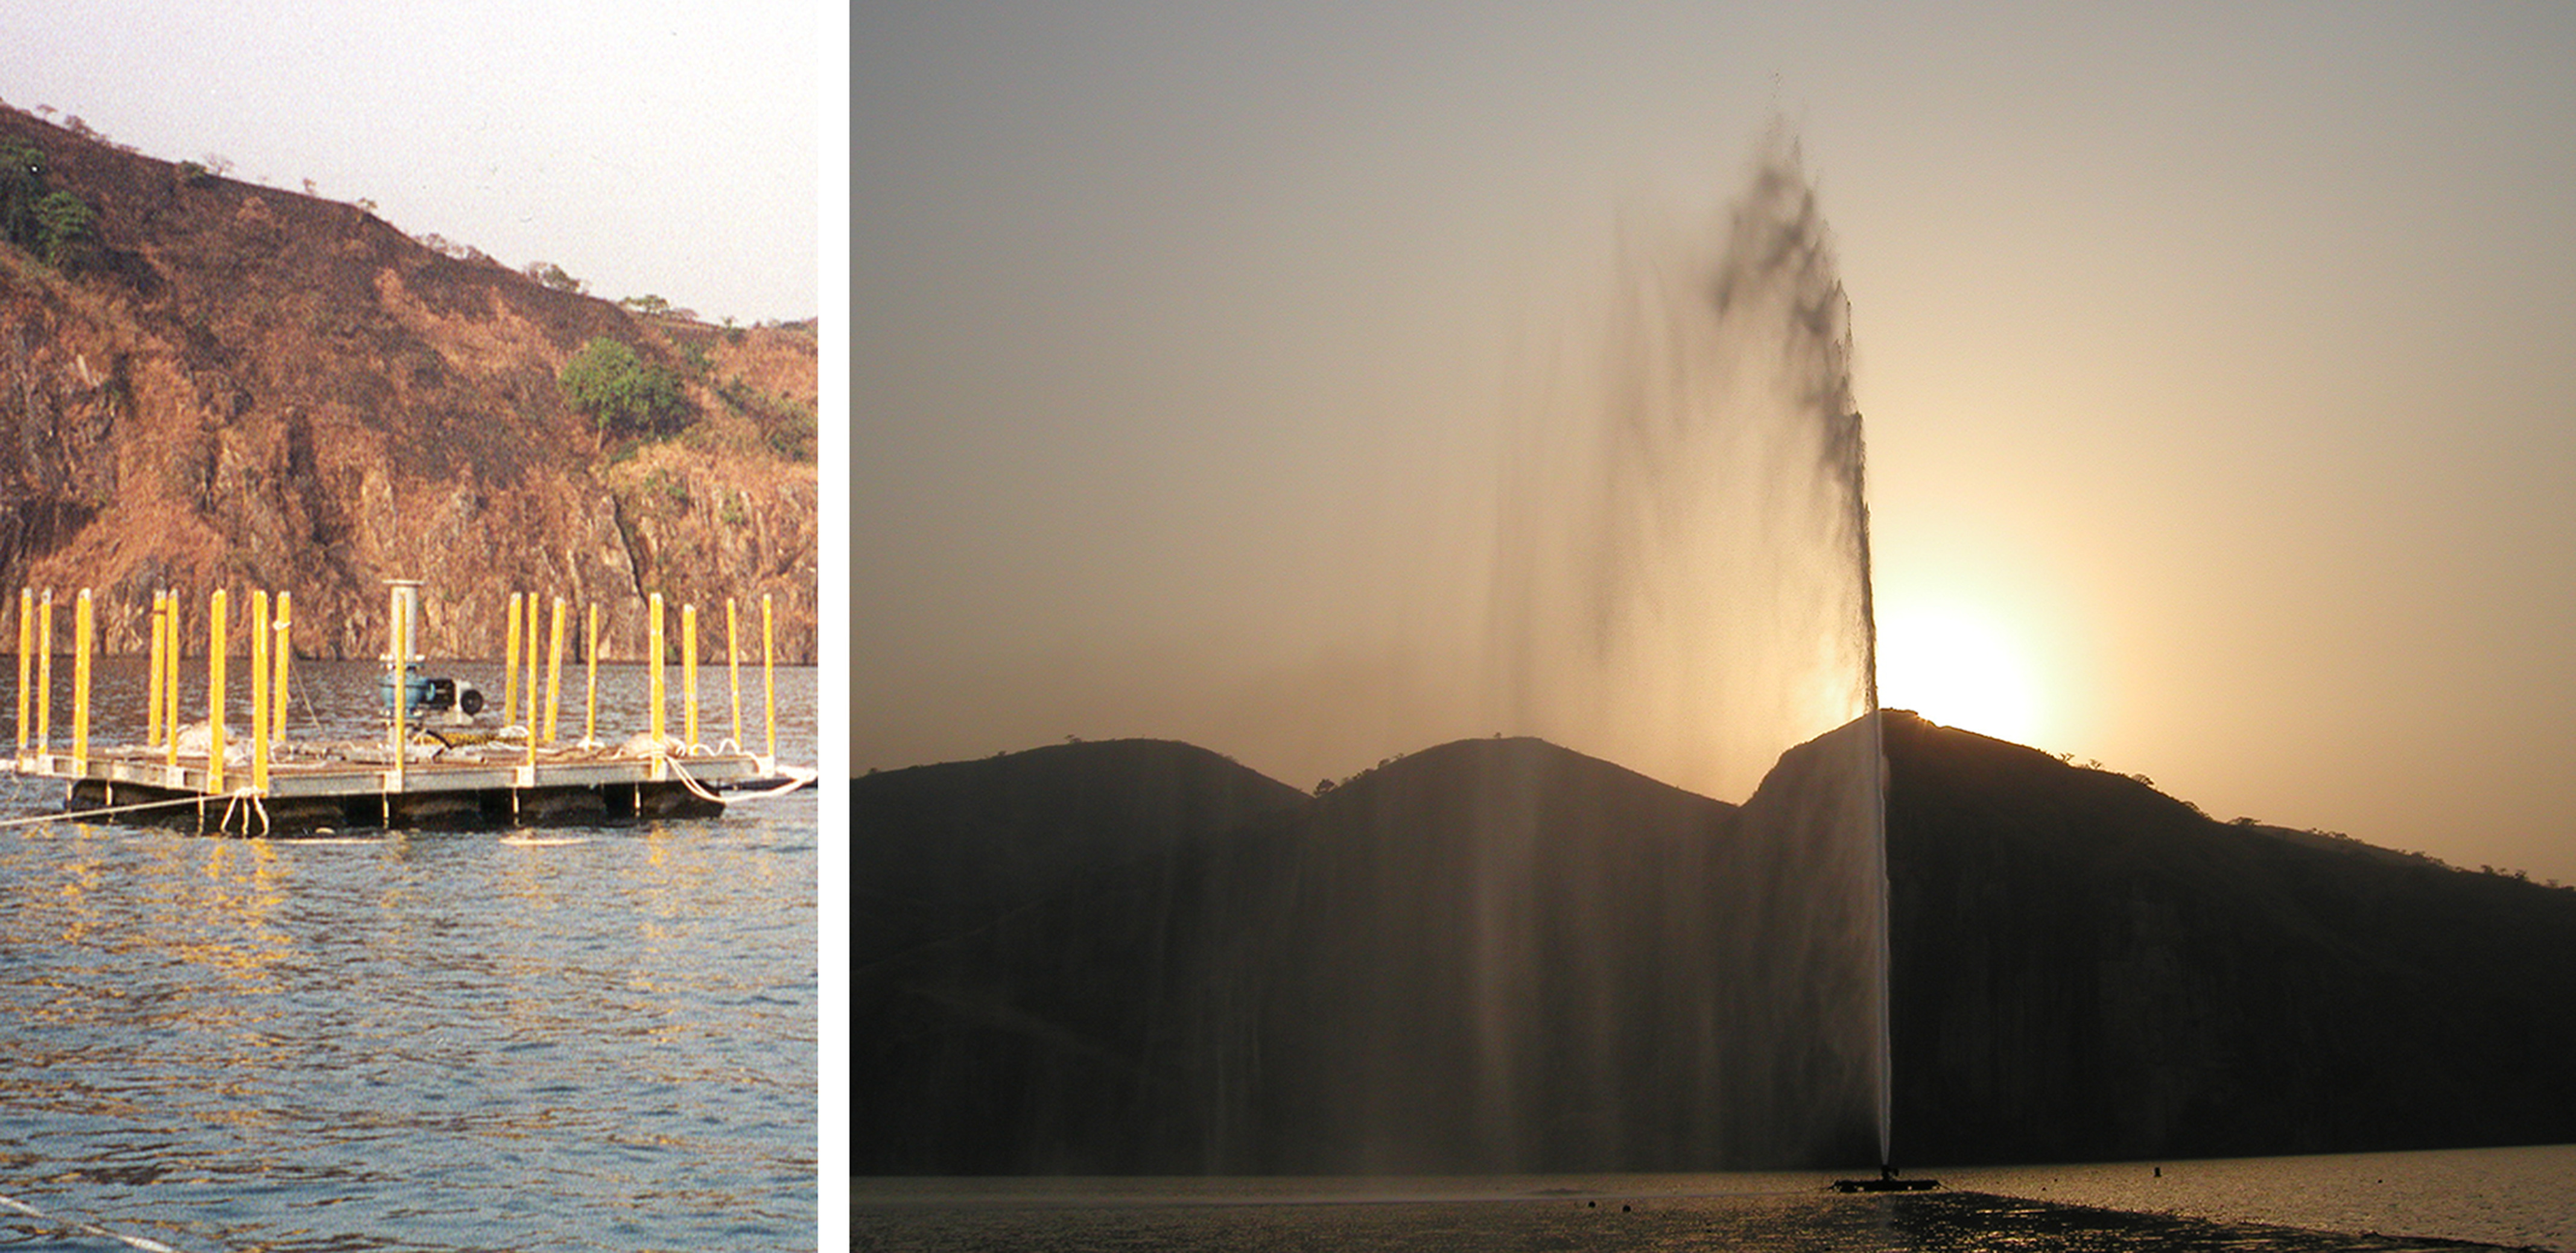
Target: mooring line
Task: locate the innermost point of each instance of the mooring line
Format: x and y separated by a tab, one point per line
796	777
682	774
79	815
146	1243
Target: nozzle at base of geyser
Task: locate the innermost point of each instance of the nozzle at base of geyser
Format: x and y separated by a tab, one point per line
1886	1182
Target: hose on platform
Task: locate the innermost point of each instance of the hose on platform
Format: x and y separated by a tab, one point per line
145	1243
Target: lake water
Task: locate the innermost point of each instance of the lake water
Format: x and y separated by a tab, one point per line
579	1038
2468	1199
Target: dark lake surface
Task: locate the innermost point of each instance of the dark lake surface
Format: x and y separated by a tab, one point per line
595	1037
2456	1200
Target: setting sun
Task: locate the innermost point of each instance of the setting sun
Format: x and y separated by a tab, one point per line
1957	668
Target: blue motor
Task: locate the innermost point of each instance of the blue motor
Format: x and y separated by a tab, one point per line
429	694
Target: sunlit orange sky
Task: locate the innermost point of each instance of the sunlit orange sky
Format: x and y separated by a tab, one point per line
2219	370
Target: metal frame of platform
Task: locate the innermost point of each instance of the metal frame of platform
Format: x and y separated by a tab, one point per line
335	793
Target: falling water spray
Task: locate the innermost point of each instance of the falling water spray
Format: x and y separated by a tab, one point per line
1683	587
1498	955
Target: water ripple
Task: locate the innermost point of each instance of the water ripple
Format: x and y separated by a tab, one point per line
422	1040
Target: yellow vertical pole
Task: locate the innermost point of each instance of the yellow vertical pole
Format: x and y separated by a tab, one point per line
82	628
285	647
554	667
399	641
510	666
215	692
733	666
590	699
259	689
26	641
653	634
165	642
170	674
152	687
531	655
768	688
45	673
689	671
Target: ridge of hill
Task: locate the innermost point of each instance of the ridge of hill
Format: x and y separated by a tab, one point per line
1494	955
2087	968
235	385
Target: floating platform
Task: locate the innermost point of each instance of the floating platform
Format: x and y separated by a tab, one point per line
436	764
338	787
1886	1183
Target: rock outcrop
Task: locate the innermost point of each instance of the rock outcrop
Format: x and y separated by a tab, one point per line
238	386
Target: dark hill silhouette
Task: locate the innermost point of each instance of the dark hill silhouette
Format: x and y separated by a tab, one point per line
1029	954
1497	954
954	846
1475	957
2087	968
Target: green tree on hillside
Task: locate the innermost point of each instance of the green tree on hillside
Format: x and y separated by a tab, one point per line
56	225
22	184
65	228
620	392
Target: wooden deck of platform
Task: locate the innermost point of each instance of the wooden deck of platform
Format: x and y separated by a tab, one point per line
336	787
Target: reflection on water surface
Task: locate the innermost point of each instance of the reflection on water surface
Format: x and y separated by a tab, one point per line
2212	1205
599	1038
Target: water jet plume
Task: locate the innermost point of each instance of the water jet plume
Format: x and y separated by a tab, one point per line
1683	586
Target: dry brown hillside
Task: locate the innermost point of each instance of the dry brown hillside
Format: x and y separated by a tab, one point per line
236	386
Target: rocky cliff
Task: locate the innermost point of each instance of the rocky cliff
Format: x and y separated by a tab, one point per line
237	386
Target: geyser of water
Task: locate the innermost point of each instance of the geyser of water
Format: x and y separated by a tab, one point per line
1684	588
1494	955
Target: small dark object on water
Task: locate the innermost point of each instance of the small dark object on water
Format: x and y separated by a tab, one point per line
1886	1182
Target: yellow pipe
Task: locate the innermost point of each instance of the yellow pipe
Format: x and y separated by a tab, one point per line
285	647
399	646
45	673
82	628
152	687
689	669
259	690
590	700
165	645
170	674
653	633
554	667
26	632
768	687
531	656
733	664
215	693
510	666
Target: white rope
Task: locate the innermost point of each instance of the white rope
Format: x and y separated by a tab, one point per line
232	803
692	784
796	779
80	815
88	1229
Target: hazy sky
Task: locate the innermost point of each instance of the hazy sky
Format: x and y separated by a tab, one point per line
647	148
2219	369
